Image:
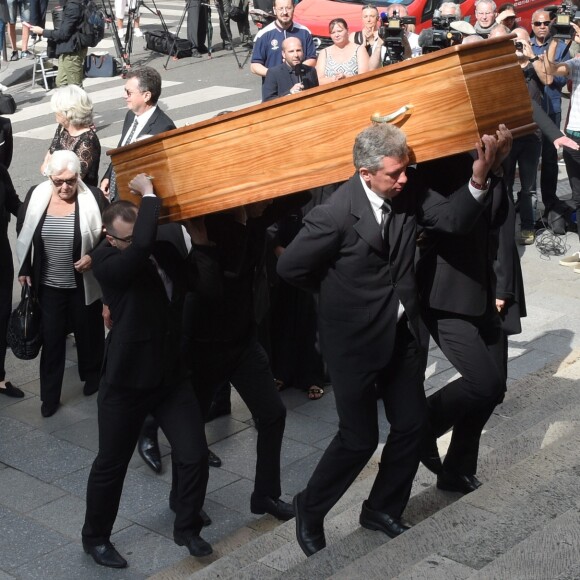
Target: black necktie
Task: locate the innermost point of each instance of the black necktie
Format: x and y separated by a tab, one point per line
385	220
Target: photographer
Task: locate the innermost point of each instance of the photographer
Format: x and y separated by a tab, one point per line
71	55
395	40
440	35
525	152
551	103
570	69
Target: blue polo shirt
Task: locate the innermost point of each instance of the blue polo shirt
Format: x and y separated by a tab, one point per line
268	43
552	98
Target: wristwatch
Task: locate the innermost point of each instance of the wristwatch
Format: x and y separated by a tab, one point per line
479	186
534	59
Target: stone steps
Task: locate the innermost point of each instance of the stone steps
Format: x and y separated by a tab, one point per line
528	464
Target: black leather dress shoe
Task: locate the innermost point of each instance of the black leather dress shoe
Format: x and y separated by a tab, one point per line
455	482
214	460
148	448
11	391
196	545
281	510
91	387
381	521
48	409
105	555
310	535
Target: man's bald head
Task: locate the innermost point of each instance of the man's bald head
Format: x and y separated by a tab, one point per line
499	30
522	34
292	51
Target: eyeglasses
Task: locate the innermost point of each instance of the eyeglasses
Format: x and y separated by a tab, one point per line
127	240
131	93
541	23
60	182
284	10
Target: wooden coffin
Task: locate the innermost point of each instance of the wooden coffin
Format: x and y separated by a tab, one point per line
305	140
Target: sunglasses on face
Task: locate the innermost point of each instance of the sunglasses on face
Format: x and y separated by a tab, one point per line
60	182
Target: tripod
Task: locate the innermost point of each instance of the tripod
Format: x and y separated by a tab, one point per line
122	48
220	12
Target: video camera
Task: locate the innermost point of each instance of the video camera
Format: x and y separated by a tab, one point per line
441	35
391	32
564	16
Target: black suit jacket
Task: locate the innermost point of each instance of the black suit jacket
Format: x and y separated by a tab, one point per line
158	123
6	142
9	204
455	273
341	255
142	349
280	79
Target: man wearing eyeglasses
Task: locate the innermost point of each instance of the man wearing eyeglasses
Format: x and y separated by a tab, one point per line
485	15
552	105
268	42
144	280
144	118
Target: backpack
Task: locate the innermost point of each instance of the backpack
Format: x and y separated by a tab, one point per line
92	27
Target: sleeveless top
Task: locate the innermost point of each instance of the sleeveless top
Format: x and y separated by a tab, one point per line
348	68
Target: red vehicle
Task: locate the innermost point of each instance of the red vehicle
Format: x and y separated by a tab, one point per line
316	14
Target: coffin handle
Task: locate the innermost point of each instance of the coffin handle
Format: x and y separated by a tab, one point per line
378	118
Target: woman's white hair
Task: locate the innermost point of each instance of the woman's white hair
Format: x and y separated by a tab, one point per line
61	161
74	105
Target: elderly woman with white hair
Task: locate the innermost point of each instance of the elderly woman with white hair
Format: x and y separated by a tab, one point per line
75	132
58	226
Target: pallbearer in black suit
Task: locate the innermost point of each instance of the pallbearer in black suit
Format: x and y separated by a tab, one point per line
290	77
458	299
144	282
357	251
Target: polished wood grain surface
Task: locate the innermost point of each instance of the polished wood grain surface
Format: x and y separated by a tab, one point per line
305	140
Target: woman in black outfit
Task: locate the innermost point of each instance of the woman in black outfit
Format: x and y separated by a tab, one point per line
58	226
75	132
9	204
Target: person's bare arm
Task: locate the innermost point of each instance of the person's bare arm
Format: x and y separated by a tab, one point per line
258	69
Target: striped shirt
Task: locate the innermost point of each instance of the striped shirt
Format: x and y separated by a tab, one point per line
57	264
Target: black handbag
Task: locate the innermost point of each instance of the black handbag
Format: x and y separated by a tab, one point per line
165	43
237	12
7	104
24	334
100	65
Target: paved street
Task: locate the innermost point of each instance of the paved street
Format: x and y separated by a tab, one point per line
44	463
